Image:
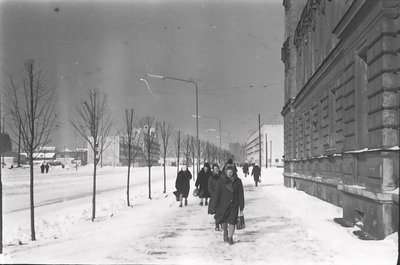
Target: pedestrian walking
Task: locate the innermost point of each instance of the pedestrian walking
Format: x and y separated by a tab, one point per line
245	169
229	163
212	182
202	183
182	185
227	201
42	168
256	172
47	168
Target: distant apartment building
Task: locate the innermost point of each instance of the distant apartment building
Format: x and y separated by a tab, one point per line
341	110
68	156
271	146
115	150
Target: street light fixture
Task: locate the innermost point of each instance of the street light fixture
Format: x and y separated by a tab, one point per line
197	108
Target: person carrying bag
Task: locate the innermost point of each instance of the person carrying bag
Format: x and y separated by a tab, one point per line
240	222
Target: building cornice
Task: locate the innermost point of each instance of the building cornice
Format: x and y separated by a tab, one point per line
352	14
285	54
307	16
288	107
286	4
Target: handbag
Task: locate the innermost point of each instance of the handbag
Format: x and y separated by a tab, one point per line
196	192
176	195
240	223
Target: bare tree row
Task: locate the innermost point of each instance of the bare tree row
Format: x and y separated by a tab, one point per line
31	102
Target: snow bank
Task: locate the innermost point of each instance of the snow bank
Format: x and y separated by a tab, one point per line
283	226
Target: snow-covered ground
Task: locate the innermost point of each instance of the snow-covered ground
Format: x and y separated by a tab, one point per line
283	226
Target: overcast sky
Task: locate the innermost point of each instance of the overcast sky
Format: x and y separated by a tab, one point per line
231	48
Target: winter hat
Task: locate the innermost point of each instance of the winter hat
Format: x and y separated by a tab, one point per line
207	165
215	165
230	168
230	161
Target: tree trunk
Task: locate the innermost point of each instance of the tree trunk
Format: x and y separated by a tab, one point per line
19	146
149	182
194	179
32	205
127	183
165	178
94	190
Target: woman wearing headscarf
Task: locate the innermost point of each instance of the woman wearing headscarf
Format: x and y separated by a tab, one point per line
229	163
212	182
182	185
228	199
202	183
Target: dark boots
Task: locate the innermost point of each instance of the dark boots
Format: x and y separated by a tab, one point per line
185	201
225	228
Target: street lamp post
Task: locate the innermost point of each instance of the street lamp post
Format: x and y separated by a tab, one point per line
197	109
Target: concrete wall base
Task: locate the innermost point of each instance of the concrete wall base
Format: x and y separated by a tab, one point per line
378	212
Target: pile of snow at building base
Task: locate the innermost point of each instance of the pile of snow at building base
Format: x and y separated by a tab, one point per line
283	226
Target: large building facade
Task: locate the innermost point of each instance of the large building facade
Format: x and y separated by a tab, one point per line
115	150
271	146
341	112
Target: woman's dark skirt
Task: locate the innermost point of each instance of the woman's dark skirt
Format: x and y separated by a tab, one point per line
230	216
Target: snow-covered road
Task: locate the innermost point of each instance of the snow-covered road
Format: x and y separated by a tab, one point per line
283	226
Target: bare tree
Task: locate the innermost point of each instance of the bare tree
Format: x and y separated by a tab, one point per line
177	144
94	125
104	144
130	145
203	151
149	135
214	153
187	149
32	107
165	133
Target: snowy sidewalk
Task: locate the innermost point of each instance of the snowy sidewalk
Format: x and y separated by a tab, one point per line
283	226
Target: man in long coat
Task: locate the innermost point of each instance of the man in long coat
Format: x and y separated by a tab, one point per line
256	172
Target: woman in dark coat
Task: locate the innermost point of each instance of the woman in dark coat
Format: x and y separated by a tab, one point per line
182	185
228	199
229	163
212	183
245	169
256	172
202	183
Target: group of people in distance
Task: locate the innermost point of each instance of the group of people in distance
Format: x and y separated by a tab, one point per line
220	190
255	172
44	167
